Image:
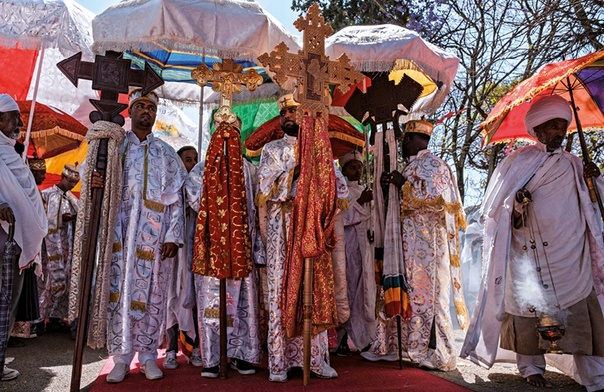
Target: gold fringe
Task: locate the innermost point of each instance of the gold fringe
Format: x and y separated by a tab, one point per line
454	260
253	153
343	204
53	231
114	297
346	138
215	313
154	205
55	257
145	255
57	130
117	246
439	203
137	305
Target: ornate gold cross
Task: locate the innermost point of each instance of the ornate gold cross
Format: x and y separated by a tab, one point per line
311	67
227	78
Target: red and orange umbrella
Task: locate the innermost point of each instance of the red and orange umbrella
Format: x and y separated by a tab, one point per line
580	81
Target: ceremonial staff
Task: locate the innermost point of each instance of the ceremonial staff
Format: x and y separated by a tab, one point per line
111	75
313	72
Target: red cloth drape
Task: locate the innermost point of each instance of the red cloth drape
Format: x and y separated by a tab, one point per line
222	241
312	233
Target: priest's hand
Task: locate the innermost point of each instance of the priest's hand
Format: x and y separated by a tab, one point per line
6	213
523	196
394	177
366	196
168	250
97	180
591	170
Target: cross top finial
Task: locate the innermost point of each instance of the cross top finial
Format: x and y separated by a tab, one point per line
314	29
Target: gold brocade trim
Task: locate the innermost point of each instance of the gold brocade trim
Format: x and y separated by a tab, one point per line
55	257
117	246
454	259
343	204
460	308
253	153
53	231
137	305
114	297
145	255
261	199
154	205
215	313
56	289
411	203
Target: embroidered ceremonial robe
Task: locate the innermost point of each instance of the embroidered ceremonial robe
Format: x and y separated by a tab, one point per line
276	190
243	333
567	220
360	269
54	300
432	216
150	215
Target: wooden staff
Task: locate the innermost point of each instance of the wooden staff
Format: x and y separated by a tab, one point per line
307	311
87	268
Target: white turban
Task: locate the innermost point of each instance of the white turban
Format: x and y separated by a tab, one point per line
545	109
7	104
354	154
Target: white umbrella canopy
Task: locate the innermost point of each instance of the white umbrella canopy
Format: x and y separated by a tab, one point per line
223	28
377	49
37	24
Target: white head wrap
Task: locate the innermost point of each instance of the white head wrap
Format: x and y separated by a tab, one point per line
545	109
7	104
354	154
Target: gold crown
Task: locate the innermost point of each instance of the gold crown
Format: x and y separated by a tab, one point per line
419	126
37	164
137	95
71	172
287	101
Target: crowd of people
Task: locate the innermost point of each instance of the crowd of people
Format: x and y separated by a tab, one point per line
178	226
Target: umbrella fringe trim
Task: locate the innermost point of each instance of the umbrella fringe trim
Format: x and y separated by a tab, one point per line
57	130
538	90
181	44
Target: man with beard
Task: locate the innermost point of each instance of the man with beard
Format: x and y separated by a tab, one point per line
148	233
20	207
544	255
278	174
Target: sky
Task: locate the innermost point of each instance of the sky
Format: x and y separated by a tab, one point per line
280	9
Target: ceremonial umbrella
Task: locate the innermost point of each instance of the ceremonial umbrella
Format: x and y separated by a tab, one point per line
35	33
387	47
165	32
52	132
580	81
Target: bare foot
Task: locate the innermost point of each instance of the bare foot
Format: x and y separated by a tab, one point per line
538	380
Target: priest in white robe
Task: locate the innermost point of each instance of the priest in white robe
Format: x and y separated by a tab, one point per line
543	255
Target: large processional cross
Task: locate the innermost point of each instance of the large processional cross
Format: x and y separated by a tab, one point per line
314	72
226	78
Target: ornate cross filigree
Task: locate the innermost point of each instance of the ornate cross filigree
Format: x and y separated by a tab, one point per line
311	67
227	78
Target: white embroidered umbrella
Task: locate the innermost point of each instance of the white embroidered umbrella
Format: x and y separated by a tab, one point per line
35	34
380	48
212	29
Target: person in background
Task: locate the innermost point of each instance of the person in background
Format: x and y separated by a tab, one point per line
21	210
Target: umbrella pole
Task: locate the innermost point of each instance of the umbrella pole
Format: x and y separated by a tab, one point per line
307	309
223	330
30	121
591	181
200	131
87	269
